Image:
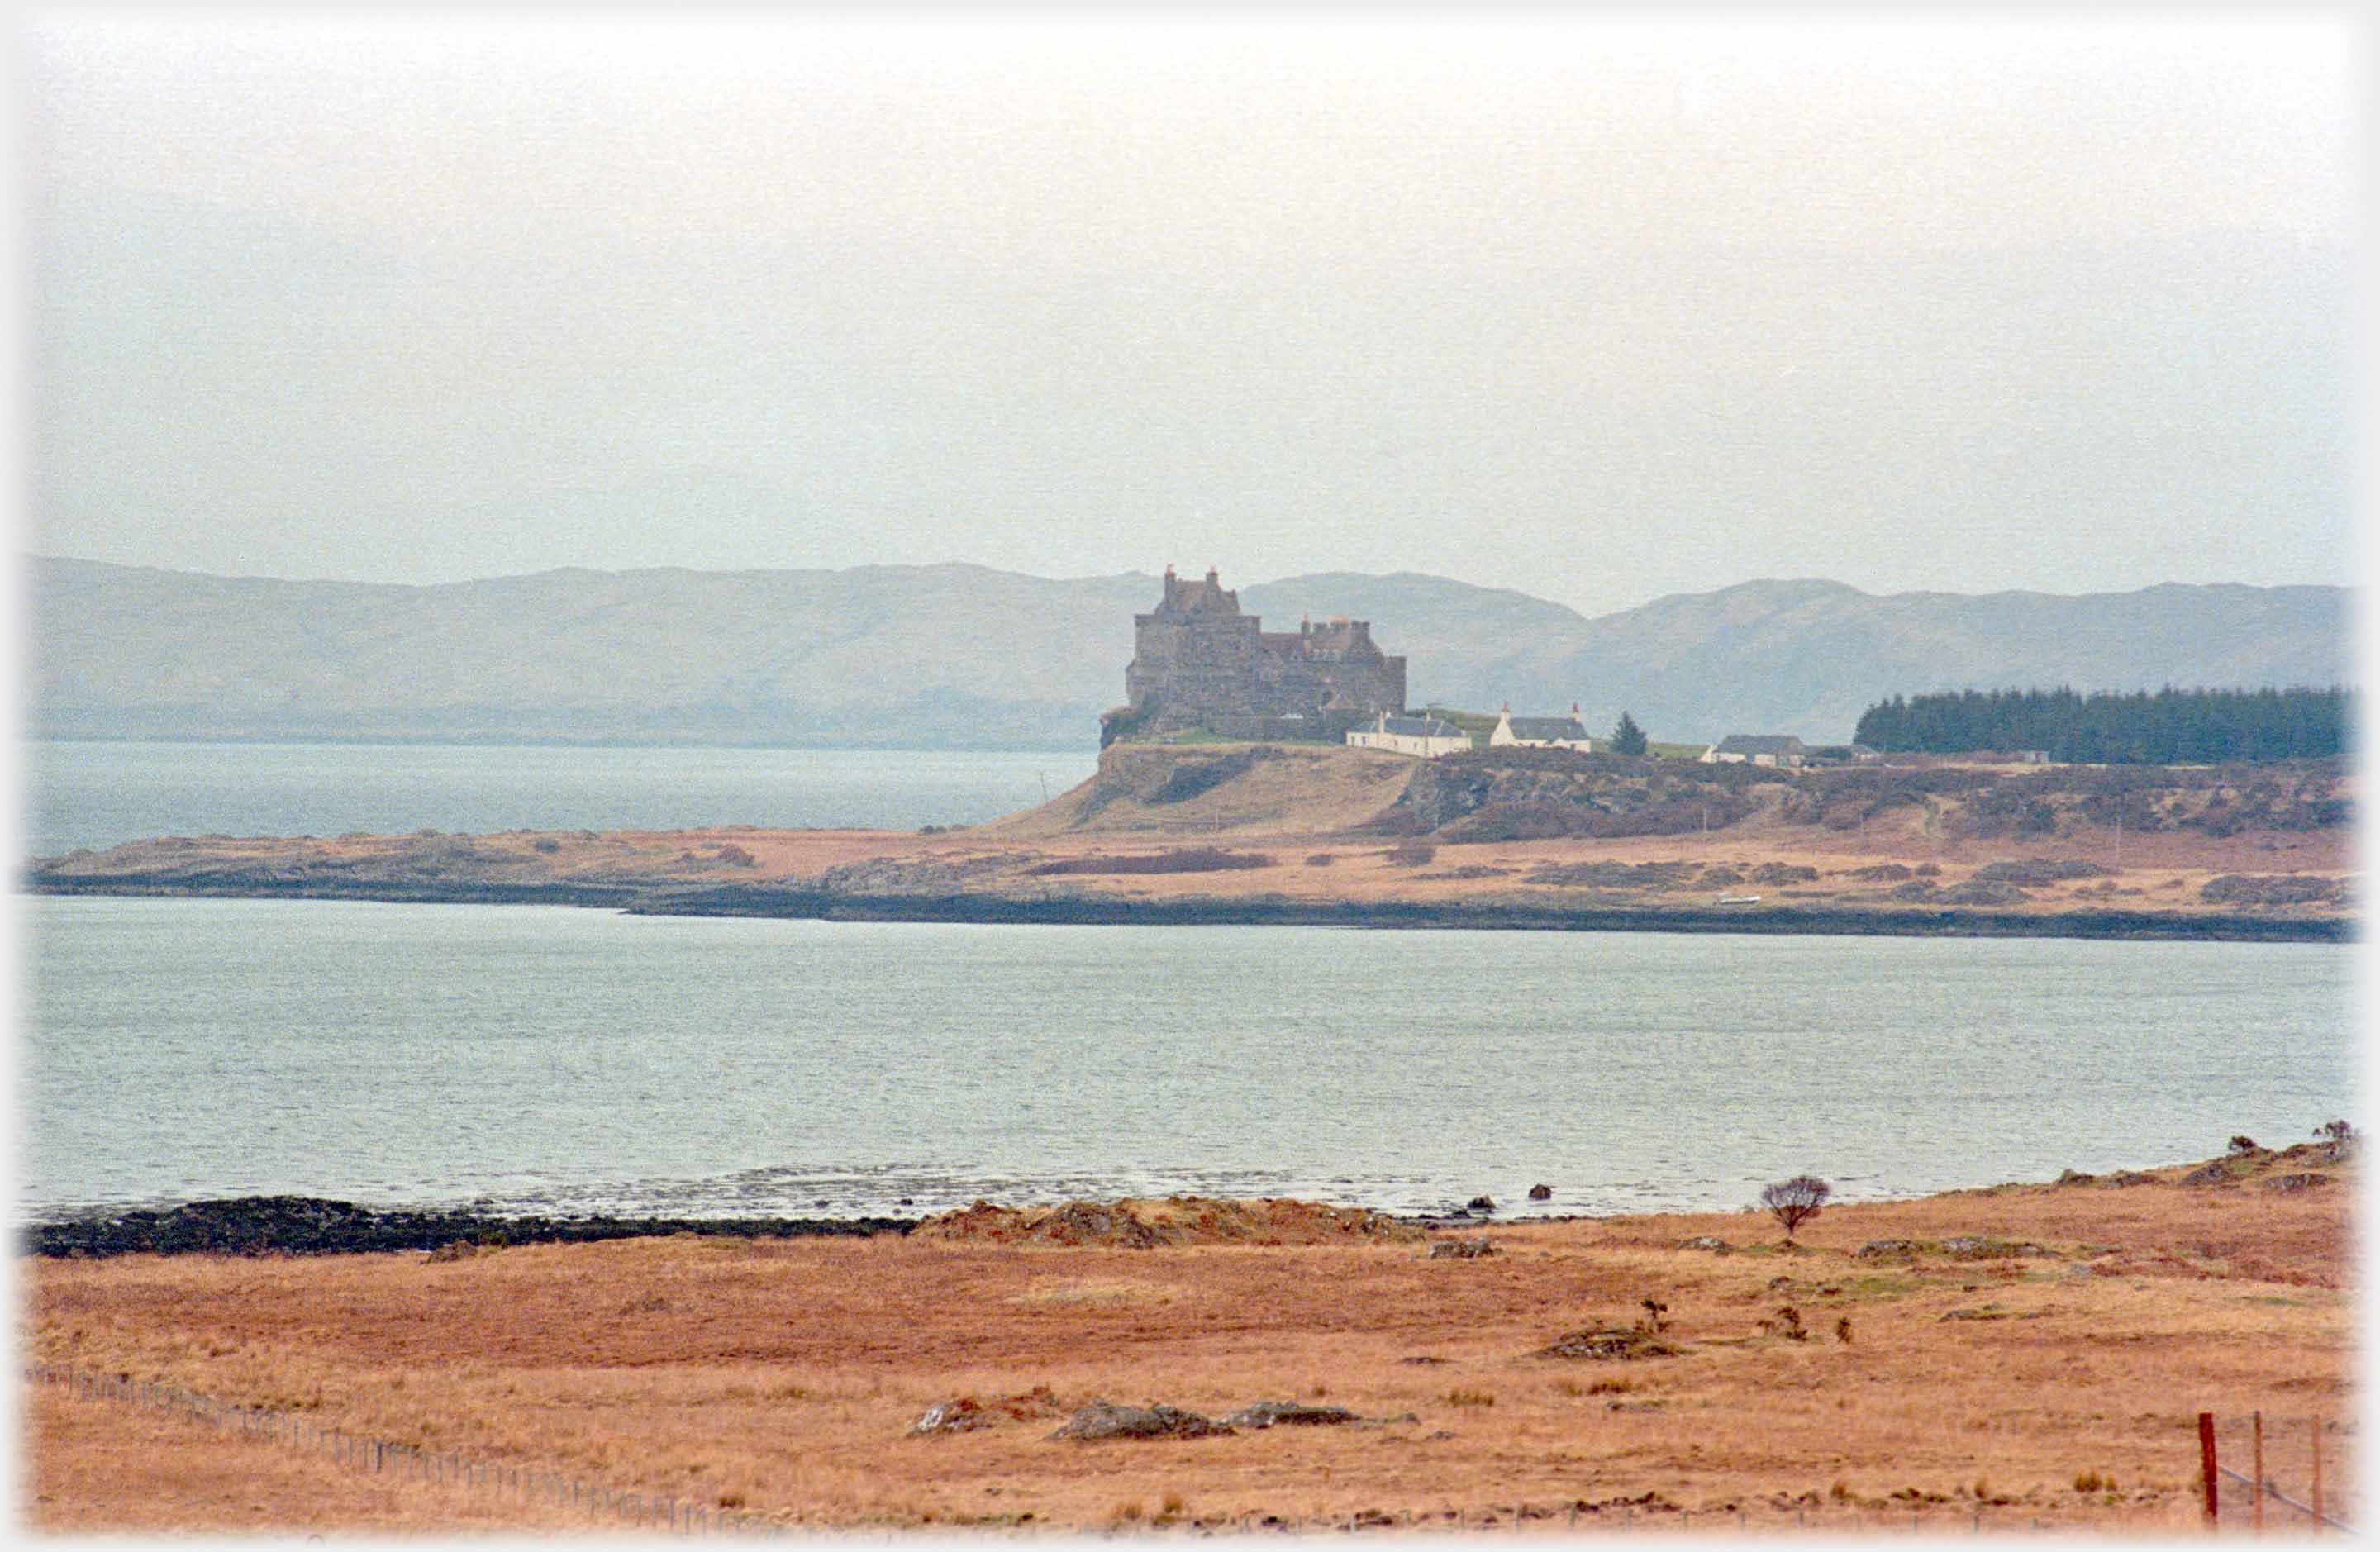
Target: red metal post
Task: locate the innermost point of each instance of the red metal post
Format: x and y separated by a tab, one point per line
2206	1462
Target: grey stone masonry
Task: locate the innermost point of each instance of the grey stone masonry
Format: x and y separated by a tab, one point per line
1198	661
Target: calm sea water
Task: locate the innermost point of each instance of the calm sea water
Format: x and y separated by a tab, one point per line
99	794
549	1059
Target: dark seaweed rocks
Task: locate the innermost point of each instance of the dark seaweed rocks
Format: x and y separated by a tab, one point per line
314	1226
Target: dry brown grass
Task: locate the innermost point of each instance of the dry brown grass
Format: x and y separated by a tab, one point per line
783	1374
104	1467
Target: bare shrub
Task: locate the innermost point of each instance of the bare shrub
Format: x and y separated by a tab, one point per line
1616	875
1520	822
2038	872
1975	891
1794	1202
2281	889
1189	859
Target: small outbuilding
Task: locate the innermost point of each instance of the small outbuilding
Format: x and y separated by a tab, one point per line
1757	748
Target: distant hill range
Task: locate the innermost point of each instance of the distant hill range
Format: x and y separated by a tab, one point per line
961	656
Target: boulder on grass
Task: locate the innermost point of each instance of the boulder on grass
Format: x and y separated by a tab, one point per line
1612	1344
1105	1420
952	1417
1266	1414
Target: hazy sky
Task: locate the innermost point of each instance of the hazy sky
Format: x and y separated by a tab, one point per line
1600	308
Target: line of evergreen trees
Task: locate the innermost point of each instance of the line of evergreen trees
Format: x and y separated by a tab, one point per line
2172	727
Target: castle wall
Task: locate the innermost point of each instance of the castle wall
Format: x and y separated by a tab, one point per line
1199	662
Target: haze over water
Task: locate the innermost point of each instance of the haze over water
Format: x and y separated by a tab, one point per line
102	793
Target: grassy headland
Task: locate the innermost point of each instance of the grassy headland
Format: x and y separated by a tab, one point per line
1505	837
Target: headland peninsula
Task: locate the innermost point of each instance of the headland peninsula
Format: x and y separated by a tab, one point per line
1217	832
2003	1360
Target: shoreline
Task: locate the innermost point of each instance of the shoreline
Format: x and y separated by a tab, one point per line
291	1224
1089	910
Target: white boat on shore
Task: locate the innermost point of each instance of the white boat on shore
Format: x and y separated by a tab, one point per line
1739	899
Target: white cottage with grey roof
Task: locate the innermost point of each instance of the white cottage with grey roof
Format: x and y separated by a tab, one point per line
1424	737
1540	732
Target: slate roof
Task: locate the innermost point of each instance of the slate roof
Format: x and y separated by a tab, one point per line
1761	744
1422	727
1548	730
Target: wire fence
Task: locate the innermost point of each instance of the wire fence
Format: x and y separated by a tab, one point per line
2301	1463
646	1511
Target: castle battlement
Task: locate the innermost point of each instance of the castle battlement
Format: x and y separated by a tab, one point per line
1198	661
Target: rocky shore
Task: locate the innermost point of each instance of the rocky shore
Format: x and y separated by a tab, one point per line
1090	908
1490	916
314	1226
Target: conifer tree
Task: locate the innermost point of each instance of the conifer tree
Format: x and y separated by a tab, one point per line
2172	727
1627	738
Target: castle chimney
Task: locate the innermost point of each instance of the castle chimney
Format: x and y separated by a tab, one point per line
1574	709
1210	576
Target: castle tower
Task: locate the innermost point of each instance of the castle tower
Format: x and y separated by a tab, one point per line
1199	662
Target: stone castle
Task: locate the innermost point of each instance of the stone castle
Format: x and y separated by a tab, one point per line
1198	662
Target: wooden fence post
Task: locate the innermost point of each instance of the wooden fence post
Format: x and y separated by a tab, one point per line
2317	1473
2257	1420
2206	1462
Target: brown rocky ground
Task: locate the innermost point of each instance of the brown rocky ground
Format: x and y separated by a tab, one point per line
1179	1221
2018	1357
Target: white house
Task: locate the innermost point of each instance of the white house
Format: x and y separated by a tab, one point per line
1540	732
1424	737
1757	748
